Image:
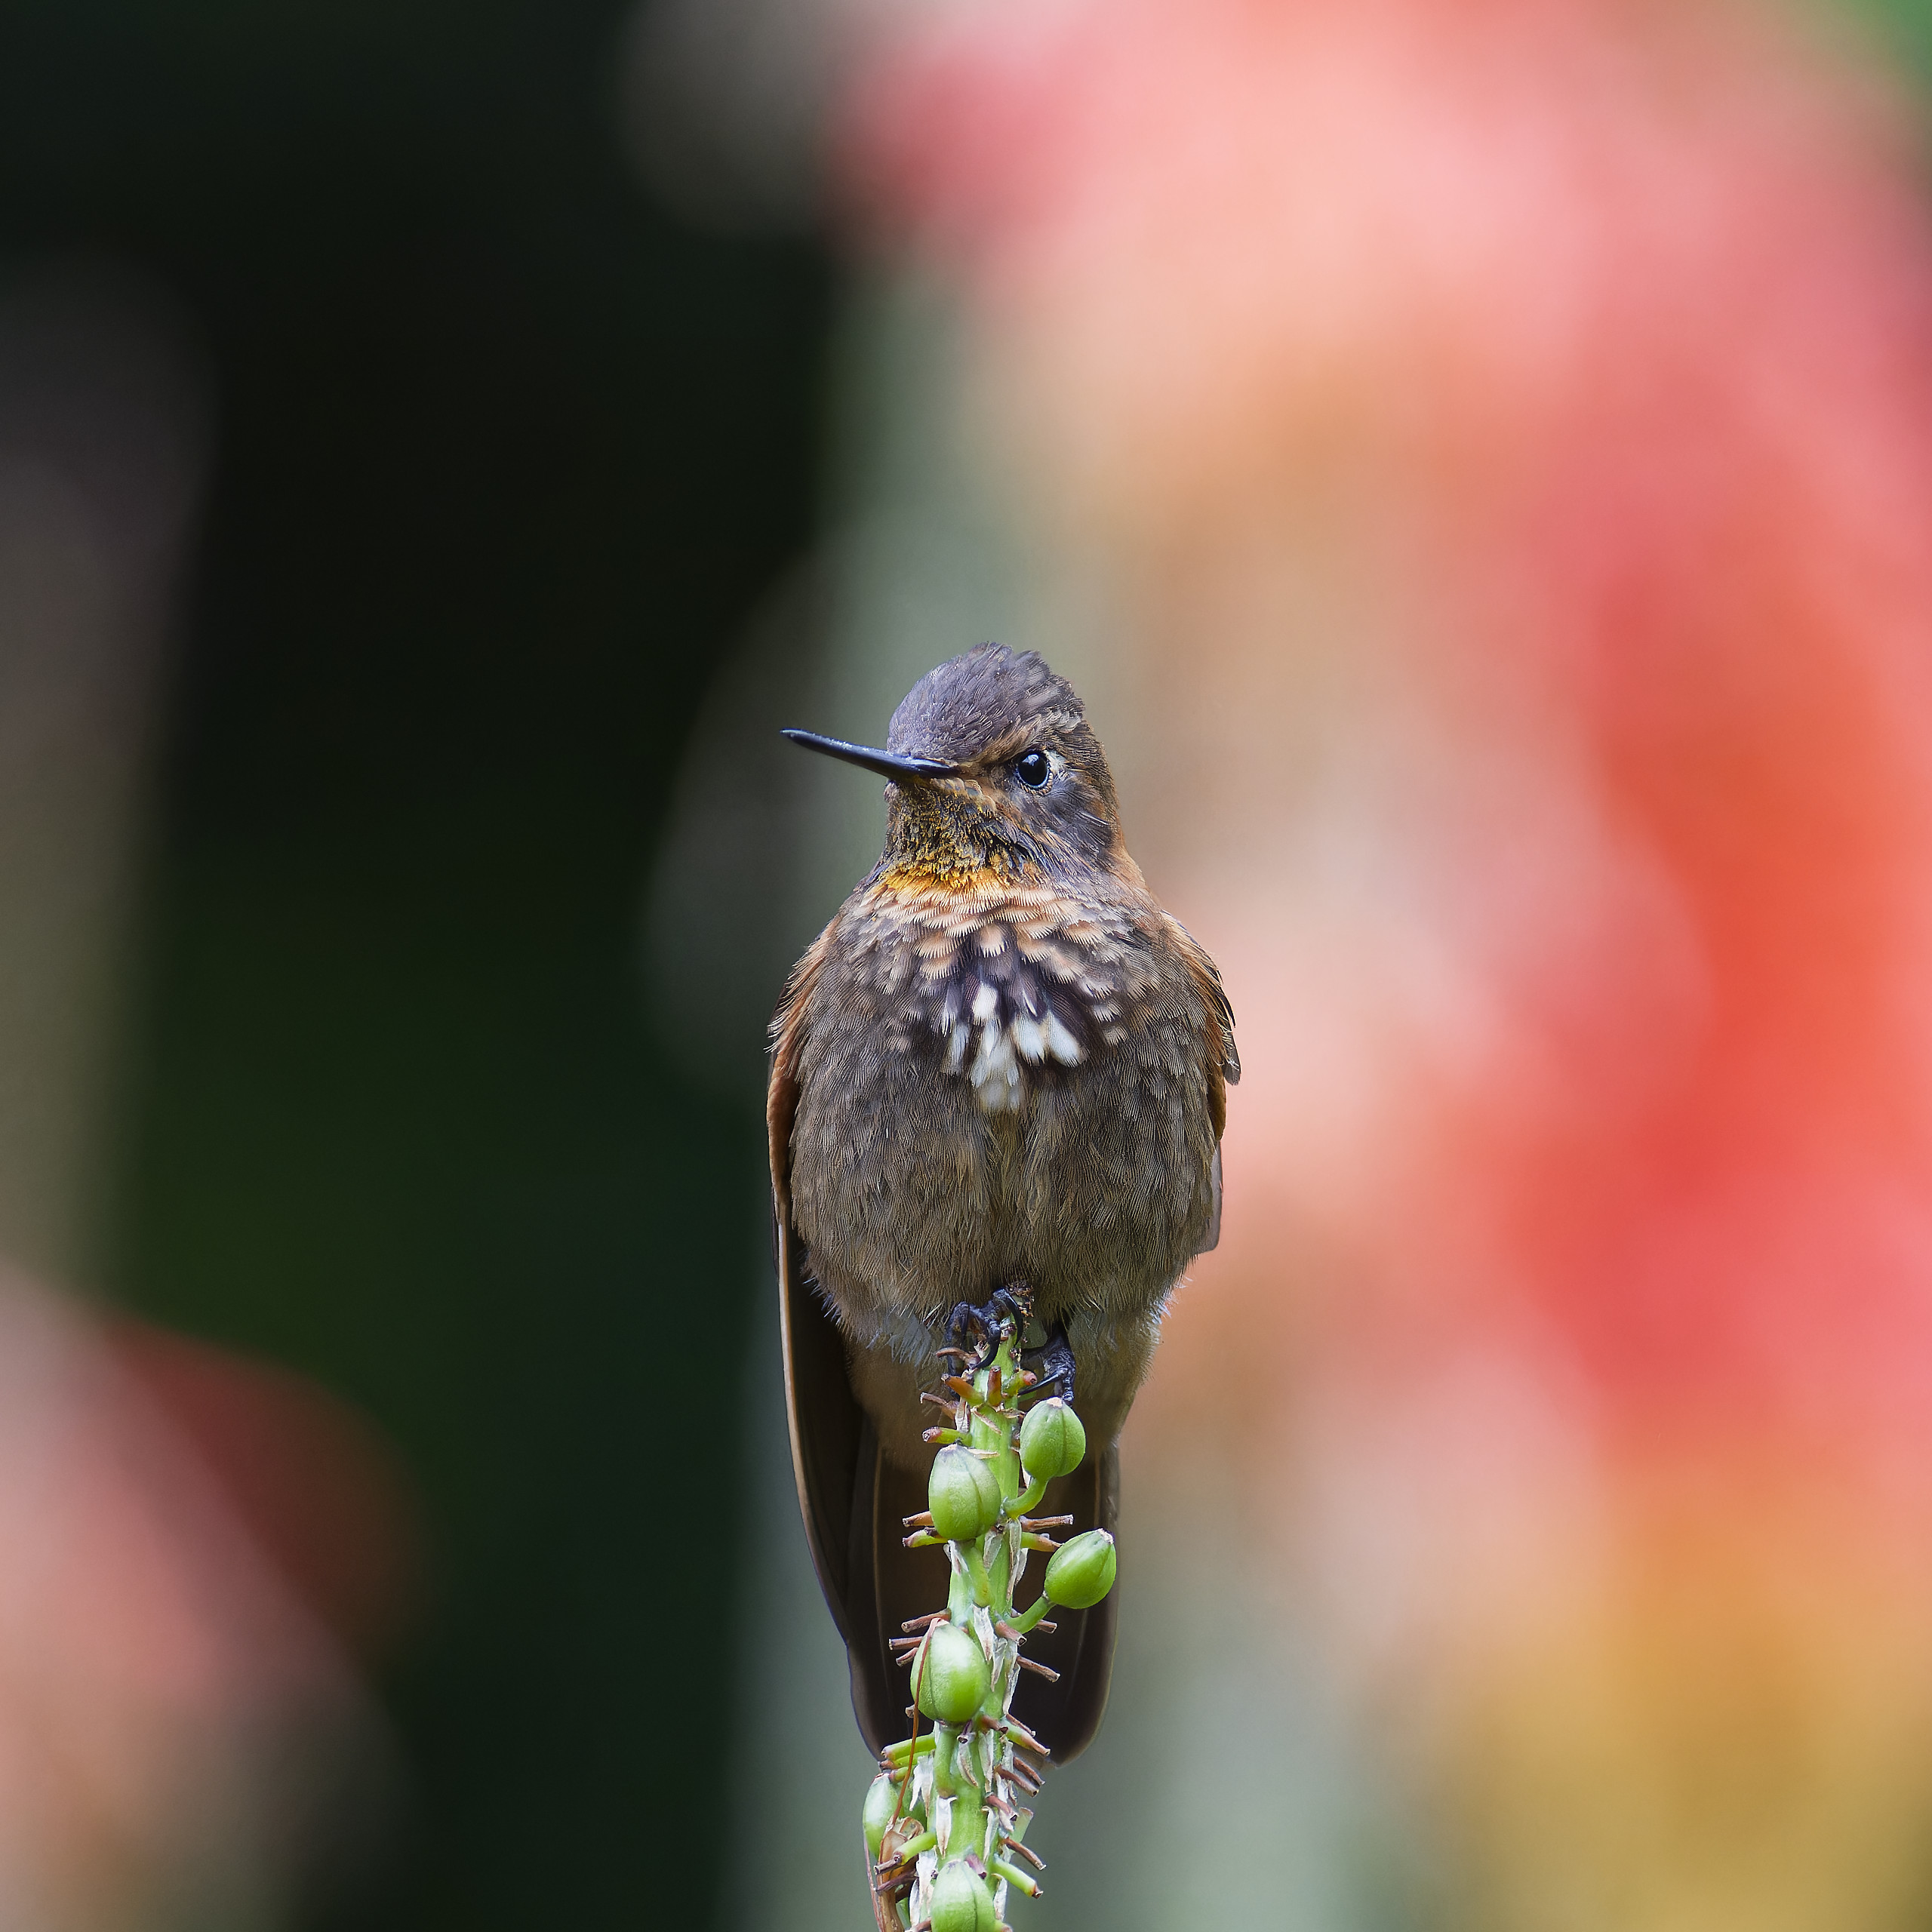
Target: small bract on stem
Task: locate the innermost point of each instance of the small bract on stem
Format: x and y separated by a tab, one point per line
944	1827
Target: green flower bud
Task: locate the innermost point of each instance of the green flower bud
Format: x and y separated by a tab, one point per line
881	1807
951	1674
1053	1441
1082	1571
961	1901
963	1495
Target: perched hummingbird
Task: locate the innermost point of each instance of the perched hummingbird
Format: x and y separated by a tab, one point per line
1001	1066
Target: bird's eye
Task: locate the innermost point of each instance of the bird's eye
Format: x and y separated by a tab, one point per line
1033	769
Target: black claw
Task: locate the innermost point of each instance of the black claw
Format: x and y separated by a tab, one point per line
1014	1306
1052	1363
964	1327
1004	1312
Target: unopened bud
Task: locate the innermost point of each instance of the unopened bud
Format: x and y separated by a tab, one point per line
881	1808
1082	1571
1052	1441
951	1674
963	1494
961	1901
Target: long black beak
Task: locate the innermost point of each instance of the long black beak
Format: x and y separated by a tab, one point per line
887	763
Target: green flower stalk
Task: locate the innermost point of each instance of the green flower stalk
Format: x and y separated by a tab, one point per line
944	1827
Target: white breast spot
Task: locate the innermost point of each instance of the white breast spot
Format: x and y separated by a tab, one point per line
1061	1043
995	1074
1030	1037
986	1002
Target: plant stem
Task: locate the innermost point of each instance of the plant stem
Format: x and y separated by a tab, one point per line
955	1789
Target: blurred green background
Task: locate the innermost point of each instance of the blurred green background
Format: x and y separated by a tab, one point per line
503	457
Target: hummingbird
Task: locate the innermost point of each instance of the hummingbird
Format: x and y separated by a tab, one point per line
998	1088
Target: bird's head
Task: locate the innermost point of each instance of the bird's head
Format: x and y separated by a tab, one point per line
994	769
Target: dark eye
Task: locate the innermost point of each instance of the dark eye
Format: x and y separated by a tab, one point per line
1033	769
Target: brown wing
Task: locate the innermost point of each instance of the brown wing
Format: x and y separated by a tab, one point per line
1223	1060
823	1419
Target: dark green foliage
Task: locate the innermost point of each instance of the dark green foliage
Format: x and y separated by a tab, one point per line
503	459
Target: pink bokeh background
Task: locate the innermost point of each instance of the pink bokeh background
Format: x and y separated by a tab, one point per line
1498	437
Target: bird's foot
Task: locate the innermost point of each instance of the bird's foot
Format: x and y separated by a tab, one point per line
1051	1365
1002	1315
975	1329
